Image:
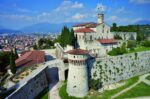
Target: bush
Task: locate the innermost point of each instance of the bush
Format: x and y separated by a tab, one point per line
118	51
131	44
118	37
146	43
95	84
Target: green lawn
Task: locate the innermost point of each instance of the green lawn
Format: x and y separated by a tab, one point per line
63	93
43	94
139	49
148	77
96	95
108	93
140	90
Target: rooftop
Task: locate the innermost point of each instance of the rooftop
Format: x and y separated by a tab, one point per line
29	58
84	30
78	52
89	24
107	41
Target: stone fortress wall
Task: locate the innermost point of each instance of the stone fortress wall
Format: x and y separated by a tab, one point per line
116	68
126	35
31	88
38	80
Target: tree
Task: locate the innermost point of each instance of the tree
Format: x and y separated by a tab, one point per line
123	48
66	37
131	44
4	60
12	63
95	84
16	54
114	27
35	47
118	37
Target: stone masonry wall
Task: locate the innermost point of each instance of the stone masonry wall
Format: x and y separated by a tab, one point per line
116	68
33	87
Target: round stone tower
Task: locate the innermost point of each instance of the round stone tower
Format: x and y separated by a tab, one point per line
77	84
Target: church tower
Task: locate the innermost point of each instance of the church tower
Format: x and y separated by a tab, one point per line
77	84
100	14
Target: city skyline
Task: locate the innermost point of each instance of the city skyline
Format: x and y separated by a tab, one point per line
20	13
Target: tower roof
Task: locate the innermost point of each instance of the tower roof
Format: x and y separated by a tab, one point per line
78	52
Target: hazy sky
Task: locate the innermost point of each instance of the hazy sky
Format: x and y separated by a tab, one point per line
20	13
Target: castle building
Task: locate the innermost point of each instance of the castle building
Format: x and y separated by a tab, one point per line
94	39
99	36
77	84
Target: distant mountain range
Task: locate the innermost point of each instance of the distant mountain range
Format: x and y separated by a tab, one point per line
48	27
7	30
141	22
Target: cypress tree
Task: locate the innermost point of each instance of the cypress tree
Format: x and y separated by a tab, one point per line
12	63
16	54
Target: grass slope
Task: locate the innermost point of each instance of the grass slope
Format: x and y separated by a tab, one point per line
140	90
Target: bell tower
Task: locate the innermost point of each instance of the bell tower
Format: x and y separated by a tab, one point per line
100	14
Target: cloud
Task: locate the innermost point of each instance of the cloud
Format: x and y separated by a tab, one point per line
68	5
78	16
140	1
113	18
120	10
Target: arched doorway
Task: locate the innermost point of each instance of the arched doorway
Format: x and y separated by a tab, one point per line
66	74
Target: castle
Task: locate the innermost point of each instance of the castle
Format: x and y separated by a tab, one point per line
94	39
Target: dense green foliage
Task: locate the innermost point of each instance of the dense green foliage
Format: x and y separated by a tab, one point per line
148	78
4	60
141	30
12	63
129	28
44	43
139	90
118	51
16	54
139	49
145	43
131	44
117	37
66	37
94	84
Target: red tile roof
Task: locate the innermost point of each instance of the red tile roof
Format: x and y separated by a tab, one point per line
30	58
107	41
78	52
86	24
84	30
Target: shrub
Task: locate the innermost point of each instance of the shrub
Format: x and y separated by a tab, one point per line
131	44
95	84
146	43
